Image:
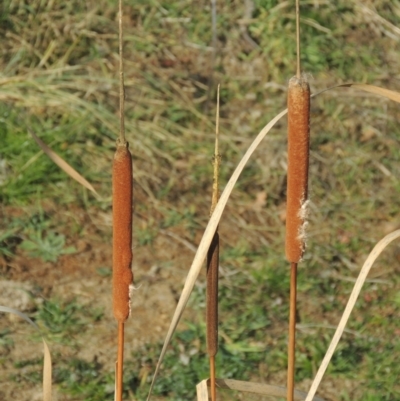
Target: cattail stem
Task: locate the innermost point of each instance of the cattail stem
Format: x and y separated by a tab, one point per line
120	362
212	308
292	332
121	78
212	270
212	296
298	71
122	184
212	379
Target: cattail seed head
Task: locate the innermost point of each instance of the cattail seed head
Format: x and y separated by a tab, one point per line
122	232
297	174
212	296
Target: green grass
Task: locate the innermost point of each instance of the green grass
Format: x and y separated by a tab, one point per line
84	380
61	320
59	78
36	235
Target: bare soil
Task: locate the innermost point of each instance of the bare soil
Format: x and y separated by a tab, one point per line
76	277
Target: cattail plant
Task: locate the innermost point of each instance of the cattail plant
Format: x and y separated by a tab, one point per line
212	271
296	209
122	227
298	103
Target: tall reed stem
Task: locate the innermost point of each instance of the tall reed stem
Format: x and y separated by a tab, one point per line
212	271
120	361
121	78
292	332
298	69
297	192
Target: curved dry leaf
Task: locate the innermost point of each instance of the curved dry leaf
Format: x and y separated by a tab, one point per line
216	216
387	93
378	249
62	163
47	370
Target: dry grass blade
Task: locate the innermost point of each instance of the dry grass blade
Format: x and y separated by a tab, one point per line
62	163
47	369
371	13
378	249
387	93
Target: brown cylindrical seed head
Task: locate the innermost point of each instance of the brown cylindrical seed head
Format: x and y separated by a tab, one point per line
212	296
122	232
297	174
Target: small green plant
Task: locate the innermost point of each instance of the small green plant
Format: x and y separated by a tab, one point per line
61	319
48	246
5	340
58	317
8	242
185	364
41	240
84	379
145	235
